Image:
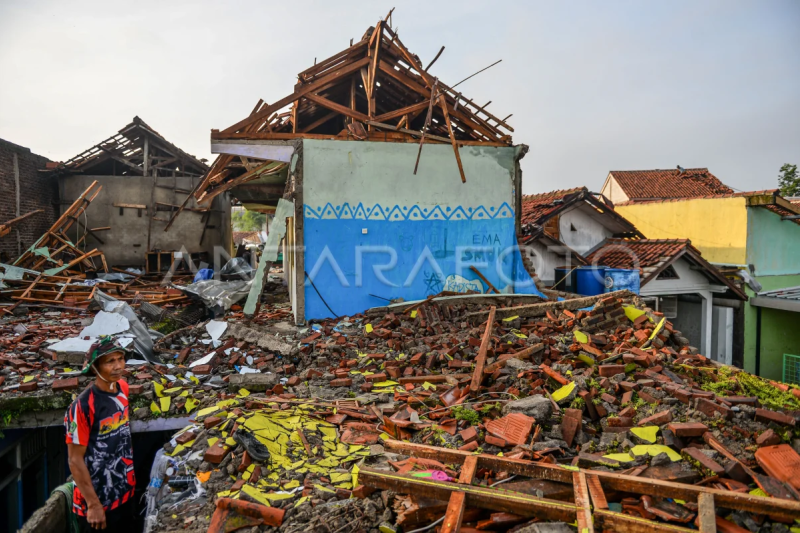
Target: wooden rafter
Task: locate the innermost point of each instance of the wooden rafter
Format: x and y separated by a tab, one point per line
376	82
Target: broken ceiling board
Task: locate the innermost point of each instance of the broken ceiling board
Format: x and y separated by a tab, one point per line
259	150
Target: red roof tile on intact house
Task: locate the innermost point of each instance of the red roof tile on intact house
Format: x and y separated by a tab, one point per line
652	256
536	207
644	254
657	184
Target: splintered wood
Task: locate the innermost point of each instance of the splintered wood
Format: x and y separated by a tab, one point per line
54	254
376	82
590	509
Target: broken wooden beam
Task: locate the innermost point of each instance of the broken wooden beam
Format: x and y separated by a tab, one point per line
480	361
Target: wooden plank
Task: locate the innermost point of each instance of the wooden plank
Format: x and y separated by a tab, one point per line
480	362
301	91
424	137
458	499
477	496
344	110
443	105
426	126
332	60
402	111
377	35
483	279
253	174
585	524
596	492
619	482
706	514
130	206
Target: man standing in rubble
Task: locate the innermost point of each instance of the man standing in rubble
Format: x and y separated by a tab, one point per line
99	444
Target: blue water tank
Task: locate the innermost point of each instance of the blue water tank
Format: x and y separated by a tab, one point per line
565	280
590	280
618	279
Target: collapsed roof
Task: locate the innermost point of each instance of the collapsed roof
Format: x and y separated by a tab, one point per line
376	90
123	154
538	210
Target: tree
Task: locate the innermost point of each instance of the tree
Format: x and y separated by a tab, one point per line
248	220
789	180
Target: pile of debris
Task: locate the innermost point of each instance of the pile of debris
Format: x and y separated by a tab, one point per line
590	407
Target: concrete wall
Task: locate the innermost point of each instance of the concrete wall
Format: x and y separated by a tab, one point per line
780	333
588	231
773	248
126	242
37	191
613	191
773	245
546	260
364	194
717	227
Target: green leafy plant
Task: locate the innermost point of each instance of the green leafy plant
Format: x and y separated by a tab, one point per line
460	412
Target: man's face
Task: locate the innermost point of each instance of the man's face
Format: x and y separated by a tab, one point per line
110	366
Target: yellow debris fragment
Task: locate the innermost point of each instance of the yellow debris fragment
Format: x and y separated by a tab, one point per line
256	494
581	336
655	449
563	392
647	433
191	403
621	457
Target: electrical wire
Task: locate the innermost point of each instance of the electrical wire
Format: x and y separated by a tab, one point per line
318	294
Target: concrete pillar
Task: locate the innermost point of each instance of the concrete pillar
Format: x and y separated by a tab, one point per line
706	318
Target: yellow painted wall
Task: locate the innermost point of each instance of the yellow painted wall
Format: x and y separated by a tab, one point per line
717	227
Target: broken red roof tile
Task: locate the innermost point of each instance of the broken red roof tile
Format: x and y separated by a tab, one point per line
535	207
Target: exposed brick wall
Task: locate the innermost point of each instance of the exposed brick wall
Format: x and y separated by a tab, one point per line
36	192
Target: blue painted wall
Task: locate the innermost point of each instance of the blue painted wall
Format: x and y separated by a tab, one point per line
412	236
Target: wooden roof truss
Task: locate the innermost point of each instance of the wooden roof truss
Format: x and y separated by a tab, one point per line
125	152
375	89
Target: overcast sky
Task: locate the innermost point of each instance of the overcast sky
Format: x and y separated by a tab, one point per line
593	86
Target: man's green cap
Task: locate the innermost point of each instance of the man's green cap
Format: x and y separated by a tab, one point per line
104	346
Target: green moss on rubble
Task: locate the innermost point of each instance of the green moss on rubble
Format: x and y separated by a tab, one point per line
769	395
166	326
13	408
724	385
465	413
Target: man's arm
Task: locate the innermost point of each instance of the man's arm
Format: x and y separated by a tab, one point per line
95	514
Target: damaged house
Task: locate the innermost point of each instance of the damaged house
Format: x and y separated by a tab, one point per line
561	227
396	183
143	179
590	410
751	236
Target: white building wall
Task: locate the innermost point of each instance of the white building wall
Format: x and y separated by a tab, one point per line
613	191
588	231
